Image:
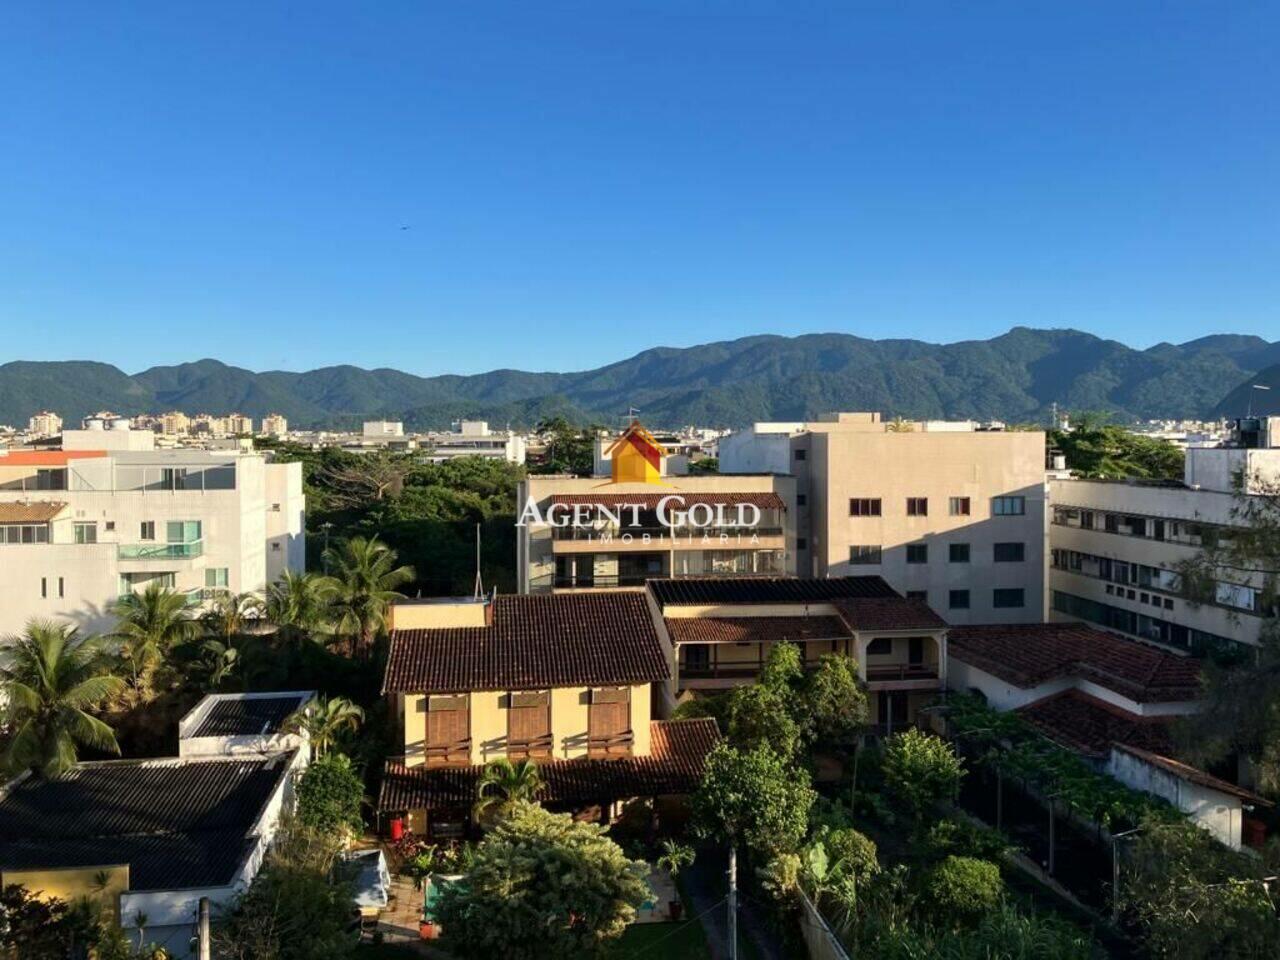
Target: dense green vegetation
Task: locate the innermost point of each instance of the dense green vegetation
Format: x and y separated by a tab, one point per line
1015	376
1097	449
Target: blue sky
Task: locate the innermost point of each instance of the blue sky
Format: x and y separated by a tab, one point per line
582	181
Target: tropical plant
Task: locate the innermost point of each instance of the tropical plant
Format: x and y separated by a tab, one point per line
298	604
920	769
541	885
761	716
217	663
963	889
330	793
504	784
675	857
150	624
752	796
363	587
231	615
834	702
50	679
324	720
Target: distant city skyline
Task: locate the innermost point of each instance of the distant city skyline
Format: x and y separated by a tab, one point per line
456	190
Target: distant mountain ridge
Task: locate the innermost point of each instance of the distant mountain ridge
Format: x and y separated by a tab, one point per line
1016	376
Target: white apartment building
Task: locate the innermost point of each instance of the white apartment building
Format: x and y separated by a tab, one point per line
275	425
83	525
473	438
945	512
1117	546
44	424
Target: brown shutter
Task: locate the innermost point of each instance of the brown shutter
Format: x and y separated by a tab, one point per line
609	722
448	729
529	725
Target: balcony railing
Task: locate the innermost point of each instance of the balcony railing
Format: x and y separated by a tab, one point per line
902	671
612	745
439	754
680	533
161	551
534	747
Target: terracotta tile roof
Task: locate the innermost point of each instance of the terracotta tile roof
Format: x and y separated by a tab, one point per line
679	751
1193	774
26	511
1090	726
558	640
888	613
754	629
765	500
700	591
1029	654
46	458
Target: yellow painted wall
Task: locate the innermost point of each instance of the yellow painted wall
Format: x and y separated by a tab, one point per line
569	712
71	883
435	615
901	652
684	611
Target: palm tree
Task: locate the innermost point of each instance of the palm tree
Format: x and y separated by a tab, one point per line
322	719
219	661
150	624
50	678
230	615
504	783
298	604
364	587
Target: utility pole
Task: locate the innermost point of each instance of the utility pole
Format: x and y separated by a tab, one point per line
206	952
733	901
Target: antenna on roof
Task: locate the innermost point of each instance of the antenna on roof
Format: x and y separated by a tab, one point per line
479	588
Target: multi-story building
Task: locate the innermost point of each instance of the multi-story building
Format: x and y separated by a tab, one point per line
564	680
720	632
643	520
948	513
239	425
82	525
174	423
44	424
474	438
1119	548
275	425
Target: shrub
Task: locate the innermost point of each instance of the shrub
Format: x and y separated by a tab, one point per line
963	889
963	839
852	854
329	795
920	769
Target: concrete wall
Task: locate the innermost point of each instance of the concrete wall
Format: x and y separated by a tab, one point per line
72	883
1219	813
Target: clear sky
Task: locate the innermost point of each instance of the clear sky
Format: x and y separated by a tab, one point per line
454	187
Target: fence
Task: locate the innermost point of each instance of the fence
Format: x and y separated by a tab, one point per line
819	938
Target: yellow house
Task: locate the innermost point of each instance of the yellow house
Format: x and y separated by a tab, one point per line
564	680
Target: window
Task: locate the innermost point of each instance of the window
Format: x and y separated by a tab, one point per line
880	647
802	543
147	530
111	525
1008	597
44	588
917	506
958	600
275	546
61	587
864	554
864	507
801	499
1008	506
1010	552
173	478
24	533
529	724
917	553
921	595
215	577
959	506
448	728
609	722
183	531
915	651
958	553
798	454
86	532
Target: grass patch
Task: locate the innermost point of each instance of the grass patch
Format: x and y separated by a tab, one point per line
669	941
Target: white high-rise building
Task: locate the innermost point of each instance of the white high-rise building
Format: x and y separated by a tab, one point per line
106	516
45	424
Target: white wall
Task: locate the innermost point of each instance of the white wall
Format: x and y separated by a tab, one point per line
1219	813
763	448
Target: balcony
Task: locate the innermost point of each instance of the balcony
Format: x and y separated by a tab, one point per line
534	748
453	753
611	746
161	551
903	676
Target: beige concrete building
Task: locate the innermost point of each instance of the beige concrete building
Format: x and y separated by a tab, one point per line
44	424
945	512
174	422
275	425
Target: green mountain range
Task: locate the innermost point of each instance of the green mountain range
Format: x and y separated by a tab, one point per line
1016	377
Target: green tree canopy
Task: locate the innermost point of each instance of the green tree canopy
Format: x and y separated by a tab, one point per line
330	792
541	885
753	796
834	702
920	769
1098	449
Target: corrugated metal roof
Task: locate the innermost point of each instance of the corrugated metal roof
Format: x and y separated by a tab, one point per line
247	717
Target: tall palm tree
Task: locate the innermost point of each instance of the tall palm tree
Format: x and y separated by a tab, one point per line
504	783
230	615
323	719
364	587
150	624
298	604
49	679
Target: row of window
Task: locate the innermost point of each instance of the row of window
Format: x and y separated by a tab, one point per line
1123	573
1005	598
869	554
956	506
1141	625
176	531
1190	533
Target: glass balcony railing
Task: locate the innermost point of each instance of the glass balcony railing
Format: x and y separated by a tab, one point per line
161	551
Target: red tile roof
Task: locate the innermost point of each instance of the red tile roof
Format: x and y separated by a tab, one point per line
46	458
754	629
25	511
1090	726
1029	654
649	501
674	766
1193	774
888	613
534	642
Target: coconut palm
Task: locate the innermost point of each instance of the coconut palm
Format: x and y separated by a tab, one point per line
150	624
364	587
323	719
230	615
218	661
504	783
298	604
49	680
